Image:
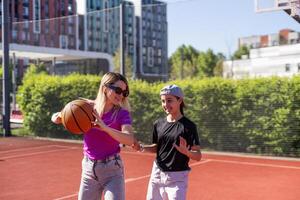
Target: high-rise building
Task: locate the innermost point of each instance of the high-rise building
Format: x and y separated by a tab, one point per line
77	28
43	23
145	33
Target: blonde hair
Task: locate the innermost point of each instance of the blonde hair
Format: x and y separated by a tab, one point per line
108	79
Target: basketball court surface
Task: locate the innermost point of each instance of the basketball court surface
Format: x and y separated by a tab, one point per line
50	170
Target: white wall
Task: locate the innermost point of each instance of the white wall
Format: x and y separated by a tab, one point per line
265	62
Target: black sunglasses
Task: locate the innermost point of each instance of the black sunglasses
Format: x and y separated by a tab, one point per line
118	90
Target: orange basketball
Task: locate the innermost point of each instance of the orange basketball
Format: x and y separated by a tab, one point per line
77	116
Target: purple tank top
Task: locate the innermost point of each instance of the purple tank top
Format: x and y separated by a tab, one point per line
98	144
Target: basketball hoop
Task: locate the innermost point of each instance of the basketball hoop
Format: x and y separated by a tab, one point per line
291	7
295	8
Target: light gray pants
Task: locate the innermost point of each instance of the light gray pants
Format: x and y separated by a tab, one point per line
167	185
99	178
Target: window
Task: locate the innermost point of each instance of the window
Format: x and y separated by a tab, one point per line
63	41
25	11
275	43
70	7
159	60
37	16
154	43
288	67
106	16
25	25
14	34
70	30
46	8
47	25
159	52
150	56
98	6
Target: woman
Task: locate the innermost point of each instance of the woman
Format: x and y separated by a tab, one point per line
175	142
102	167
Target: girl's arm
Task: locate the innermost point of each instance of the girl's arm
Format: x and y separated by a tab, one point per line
150	148
194	153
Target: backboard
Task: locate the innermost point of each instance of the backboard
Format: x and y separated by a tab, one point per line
273	5
291	7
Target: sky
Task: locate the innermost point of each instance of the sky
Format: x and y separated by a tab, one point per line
217	24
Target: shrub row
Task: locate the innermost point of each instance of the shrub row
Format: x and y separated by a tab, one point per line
253	115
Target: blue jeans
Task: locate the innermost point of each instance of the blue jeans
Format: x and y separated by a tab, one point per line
102	177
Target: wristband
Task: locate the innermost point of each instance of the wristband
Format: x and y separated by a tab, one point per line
142	148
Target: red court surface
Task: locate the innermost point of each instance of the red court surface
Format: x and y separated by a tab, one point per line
50	170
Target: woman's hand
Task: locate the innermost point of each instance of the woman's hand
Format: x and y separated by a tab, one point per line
56	118
91	102
136	145
98	121
182	148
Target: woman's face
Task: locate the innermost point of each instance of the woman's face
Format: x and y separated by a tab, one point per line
170	104
115	92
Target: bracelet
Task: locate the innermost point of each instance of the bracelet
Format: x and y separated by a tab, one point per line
142	148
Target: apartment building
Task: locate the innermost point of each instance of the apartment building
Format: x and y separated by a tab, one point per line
83	35
30	26
283	37
145	33
274	55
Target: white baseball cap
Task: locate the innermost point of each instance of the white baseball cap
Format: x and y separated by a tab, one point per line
172	90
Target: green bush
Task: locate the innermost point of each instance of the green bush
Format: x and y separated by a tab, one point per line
42	95
252	115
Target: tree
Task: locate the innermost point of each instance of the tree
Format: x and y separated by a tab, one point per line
218	70
35	69
243	50
128	64
207	62
183	62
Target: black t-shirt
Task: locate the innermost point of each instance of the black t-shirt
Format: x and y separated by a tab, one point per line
165	134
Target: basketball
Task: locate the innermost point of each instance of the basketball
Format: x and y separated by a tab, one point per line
77	116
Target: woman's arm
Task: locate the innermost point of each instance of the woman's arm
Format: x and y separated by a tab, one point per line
56	117
125	136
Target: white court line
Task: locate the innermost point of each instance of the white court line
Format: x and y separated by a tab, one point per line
31	148
67	197
128	180
256	164
227	161
247	155
200	162
36	153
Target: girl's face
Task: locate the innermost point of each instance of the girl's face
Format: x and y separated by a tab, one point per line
115	92
170	104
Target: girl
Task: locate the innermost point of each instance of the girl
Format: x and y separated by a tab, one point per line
175	142
102	167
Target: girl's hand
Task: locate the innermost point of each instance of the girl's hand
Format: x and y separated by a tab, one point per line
56	118
182	148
